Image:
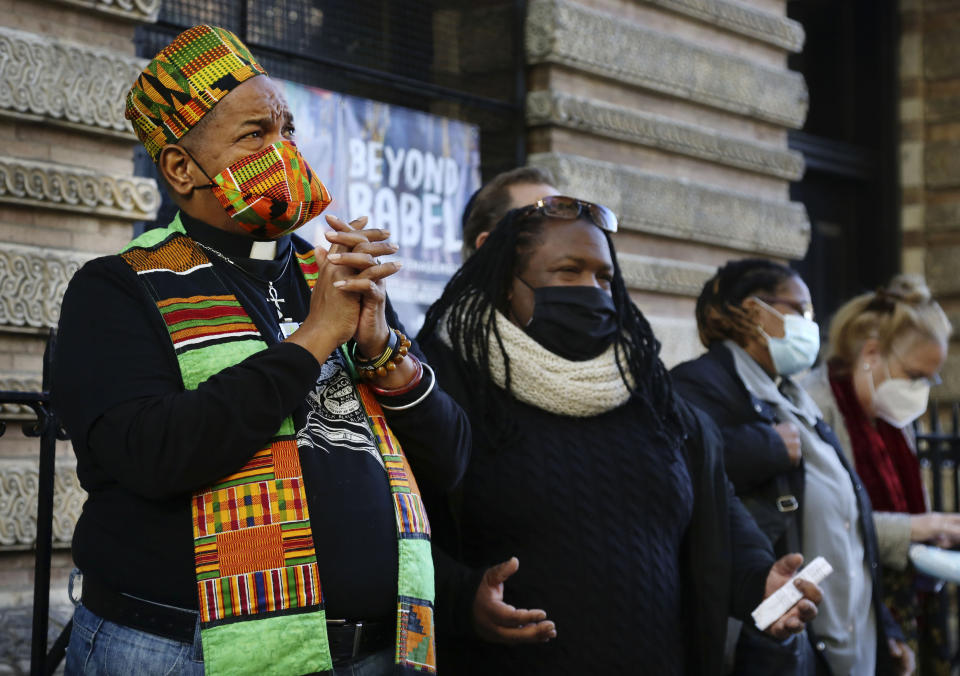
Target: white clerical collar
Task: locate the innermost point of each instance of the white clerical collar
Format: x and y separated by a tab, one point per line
263	251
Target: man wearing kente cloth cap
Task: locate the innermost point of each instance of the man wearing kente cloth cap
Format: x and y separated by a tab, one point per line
243	408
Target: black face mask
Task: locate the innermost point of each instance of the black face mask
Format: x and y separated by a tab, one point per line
574	322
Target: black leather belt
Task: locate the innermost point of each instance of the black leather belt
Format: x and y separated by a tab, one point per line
178	624
348	640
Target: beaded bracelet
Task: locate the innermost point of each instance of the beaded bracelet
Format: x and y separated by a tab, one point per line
403	389
393	354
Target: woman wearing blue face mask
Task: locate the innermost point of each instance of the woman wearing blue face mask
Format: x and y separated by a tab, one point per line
756	319
884	353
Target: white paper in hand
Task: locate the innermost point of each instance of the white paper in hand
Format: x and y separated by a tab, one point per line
782	600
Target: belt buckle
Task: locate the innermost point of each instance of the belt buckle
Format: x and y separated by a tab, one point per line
357	633
787	503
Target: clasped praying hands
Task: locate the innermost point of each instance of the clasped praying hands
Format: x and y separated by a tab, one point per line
349	299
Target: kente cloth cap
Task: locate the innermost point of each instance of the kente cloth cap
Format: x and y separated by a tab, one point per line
184	82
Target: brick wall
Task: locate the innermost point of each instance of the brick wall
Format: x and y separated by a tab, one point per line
930	156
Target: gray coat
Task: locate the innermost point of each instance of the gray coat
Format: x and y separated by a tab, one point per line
893	528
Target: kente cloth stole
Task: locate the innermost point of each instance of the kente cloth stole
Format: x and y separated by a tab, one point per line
261	602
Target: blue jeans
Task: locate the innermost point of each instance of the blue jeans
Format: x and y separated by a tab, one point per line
104	648
100	647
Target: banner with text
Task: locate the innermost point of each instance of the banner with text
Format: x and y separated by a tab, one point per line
410	172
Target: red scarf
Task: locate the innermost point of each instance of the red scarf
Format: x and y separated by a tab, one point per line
883	458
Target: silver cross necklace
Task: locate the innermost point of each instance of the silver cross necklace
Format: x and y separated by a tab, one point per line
273	296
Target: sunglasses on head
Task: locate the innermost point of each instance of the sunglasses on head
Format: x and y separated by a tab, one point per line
570	209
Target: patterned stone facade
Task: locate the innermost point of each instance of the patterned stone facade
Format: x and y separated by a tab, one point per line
133	10
929	151
64	83
67	194
674	113
18	504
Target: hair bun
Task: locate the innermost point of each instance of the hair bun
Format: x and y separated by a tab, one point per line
910	289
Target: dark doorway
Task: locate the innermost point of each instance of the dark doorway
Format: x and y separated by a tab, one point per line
849	144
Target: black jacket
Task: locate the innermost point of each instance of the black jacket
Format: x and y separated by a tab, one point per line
724	558
755	455
144	443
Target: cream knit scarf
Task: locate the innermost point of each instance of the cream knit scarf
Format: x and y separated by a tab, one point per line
538	377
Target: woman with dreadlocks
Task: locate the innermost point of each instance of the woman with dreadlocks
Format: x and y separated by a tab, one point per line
885	350
586	468
755	318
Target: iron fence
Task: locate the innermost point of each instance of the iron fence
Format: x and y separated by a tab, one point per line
938	449
45	427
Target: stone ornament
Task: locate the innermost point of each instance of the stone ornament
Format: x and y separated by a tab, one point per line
663	133
145	11
42	78
644	273
19	491
682	209
63	187
18	382
32	283
564	33
738	17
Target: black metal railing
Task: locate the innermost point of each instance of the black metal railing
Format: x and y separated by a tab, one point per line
938	448
45	427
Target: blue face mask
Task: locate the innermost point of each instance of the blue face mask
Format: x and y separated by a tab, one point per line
798	348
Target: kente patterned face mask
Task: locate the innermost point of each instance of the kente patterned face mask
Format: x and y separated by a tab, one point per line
271	192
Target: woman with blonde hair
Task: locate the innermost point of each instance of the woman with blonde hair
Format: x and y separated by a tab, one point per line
885	351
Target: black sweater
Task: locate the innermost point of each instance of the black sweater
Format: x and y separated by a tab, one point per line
638	551
143	444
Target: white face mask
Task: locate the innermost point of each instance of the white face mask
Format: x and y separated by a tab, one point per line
798	348
899	401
